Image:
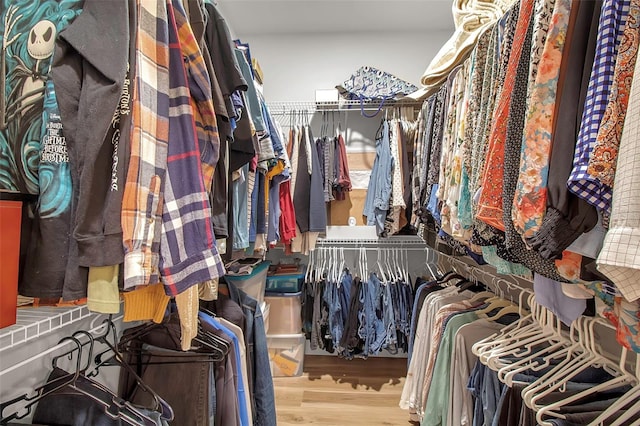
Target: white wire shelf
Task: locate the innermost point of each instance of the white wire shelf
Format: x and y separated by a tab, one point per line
286	107
393	241
34	322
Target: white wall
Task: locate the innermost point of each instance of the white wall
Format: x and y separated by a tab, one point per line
295	65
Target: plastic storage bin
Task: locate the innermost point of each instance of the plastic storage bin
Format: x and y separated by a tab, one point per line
265	316
286	353
285	312
285	283
10	224
254	283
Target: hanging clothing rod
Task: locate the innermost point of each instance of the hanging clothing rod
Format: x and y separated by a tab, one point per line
391	242
287	107
376	248
481	274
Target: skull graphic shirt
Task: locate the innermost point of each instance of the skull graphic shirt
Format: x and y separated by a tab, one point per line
28	30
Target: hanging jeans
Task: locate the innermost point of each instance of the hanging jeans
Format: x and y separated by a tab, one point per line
336	324
371	324
351	342
336	296
389	317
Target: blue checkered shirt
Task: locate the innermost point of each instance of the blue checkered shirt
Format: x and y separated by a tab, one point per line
613	17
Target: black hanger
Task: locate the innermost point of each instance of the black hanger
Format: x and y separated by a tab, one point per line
46	389
450	276
216	348
114	406
216	343
160	404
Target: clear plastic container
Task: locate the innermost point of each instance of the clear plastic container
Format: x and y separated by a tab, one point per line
286	352
285	312
265	316
285	283
254	283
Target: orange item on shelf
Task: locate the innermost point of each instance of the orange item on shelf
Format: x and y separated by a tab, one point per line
10	224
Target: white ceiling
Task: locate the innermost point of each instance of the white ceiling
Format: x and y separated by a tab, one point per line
255	17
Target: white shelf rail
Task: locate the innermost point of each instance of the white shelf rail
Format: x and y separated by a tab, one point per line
286	107
35	322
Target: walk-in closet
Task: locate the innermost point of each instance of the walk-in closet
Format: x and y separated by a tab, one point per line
304	212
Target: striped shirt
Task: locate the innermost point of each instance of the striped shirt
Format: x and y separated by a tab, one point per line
199	84
142	199
188	252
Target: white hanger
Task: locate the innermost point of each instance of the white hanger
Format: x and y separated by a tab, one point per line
387	259
429	261
523	323
310	266
379	263
631	396
526	327
540	359
623	377
405	266
361	264
557	377
342	262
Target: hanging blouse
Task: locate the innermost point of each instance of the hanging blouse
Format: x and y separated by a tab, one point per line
612	21
440	113
396	203
490	87
478	60
541	20
530	199
620	258
427	146
602	164
418	156
490	203
449	170
395	136
513	244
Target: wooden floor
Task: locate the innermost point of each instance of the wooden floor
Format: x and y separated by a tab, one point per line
334	391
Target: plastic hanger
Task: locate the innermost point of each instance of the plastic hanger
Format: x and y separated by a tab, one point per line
631	396
481	295
46	389
525	324
561	373
160	404
482	345
623	377
543	333
539	359
114	406
309	266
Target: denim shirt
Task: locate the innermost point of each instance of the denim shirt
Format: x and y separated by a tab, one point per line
379	191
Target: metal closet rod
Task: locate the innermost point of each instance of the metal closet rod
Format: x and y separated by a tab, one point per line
415	244
466	269
286	107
